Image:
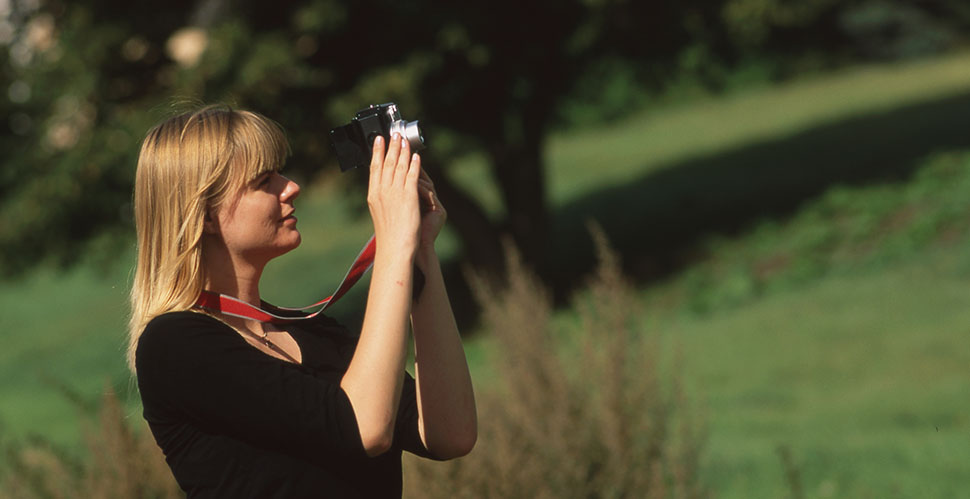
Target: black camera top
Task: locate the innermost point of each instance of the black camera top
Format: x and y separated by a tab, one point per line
354	141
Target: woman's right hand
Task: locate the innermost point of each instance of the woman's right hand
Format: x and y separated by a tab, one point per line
375	376
392	195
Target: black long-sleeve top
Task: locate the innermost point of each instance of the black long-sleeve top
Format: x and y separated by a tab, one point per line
235	422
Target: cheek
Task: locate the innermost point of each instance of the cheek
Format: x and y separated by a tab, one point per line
233	226
249	224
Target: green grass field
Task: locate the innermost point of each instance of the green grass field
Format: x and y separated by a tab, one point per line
862	376
839	332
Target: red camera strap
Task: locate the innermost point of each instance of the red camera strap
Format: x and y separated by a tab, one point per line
228	305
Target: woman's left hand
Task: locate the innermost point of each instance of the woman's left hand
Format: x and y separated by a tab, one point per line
433	214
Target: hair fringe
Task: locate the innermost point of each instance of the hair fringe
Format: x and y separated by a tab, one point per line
188	164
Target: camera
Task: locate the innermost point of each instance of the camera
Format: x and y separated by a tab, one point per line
354	141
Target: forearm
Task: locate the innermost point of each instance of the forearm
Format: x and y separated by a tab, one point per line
446	401
374	378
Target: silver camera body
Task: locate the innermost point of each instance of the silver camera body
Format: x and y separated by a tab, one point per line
354	141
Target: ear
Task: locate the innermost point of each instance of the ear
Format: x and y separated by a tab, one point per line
210	224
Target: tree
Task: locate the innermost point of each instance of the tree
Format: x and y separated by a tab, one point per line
86	79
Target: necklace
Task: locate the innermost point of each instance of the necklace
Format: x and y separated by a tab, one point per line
272	346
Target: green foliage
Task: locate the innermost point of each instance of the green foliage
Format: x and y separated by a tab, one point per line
883	29
846	228
914	32
607	91
85	80
837	333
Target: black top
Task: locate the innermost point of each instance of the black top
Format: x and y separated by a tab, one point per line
235	422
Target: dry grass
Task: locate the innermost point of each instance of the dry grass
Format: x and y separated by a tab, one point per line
599	420
603	420
120	464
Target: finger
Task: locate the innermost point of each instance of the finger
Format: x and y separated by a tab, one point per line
423	194
414	171
423	189
440	208
376	160
424	176
390	161
403	164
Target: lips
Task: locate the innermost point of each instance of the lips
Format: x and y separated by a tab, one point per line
289	216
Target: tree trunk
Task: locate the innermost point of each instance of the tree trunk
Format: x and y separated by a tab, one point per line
520	173
479	236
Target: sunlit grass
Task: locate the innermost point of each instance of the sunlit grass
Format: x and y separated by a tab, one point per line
860	372
862	377
590	159
59	331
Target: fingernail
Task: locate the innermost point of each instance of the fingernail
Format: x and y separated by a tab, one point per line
379	140
404	142
414	157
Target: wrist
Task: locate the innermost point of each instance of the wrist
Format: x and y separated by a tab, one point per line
394	257
426	257
396	244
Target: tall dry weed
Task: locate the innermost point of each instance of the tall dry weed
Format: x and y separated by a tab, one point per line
119	463
604	420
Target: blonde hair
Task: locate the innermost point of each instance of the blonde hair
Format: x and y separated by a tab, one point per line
189	165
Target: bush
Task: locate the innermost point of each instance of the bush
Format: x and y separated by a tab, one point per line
598	420
120	464
592	418
847	227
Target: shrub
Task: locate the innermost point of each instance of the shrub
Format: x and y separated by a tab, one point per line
120	464
599	420
593	418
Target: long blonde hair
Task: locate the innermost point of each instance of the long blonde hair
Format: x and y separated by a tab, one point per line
189	165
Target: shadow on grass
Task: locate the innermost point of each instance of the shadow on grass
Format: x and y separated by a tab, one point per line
657	222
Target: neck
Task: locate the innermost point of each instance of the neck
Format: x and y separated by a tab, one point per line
232	275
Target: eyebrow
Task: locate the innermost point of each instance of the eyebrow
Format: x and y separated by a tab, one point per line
257	179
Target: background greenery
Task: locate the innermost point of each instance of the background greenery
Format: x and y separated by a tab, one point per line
788	189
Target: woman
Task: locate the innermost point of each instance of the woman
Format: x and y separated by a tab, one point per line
245	408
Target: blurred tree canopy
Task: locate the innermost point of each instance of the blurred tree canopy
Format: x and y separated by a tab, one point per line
84	81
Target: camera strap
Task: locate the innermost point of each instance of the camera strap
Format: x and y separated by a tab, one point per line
229	305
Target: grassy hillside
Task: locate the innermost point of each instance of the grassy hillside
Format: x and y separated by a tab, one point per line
861	377
835	329
839	336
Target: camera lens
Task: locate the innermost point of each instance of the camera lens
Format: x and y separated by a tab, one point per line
414	135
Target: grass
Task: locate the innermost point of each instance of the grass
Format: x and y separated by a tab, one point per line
846	228
716	124
837	333
862	376
60	332
589	160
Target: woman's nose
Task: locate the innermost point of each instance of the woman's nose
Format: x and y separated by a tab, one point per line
290	191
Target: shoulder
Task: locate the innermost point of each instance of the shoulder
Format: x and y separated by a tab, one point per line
172	334
174	326
315	323
328	325
180	318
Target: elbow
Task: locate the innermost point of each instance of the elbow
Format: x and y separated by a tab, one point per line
457	445
463	446
377	442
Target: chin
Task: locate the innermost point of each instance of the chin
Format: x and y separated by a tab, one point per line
287	247
295	244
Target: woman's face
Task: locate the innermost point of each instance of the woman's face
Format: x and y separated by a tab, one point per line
260	224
